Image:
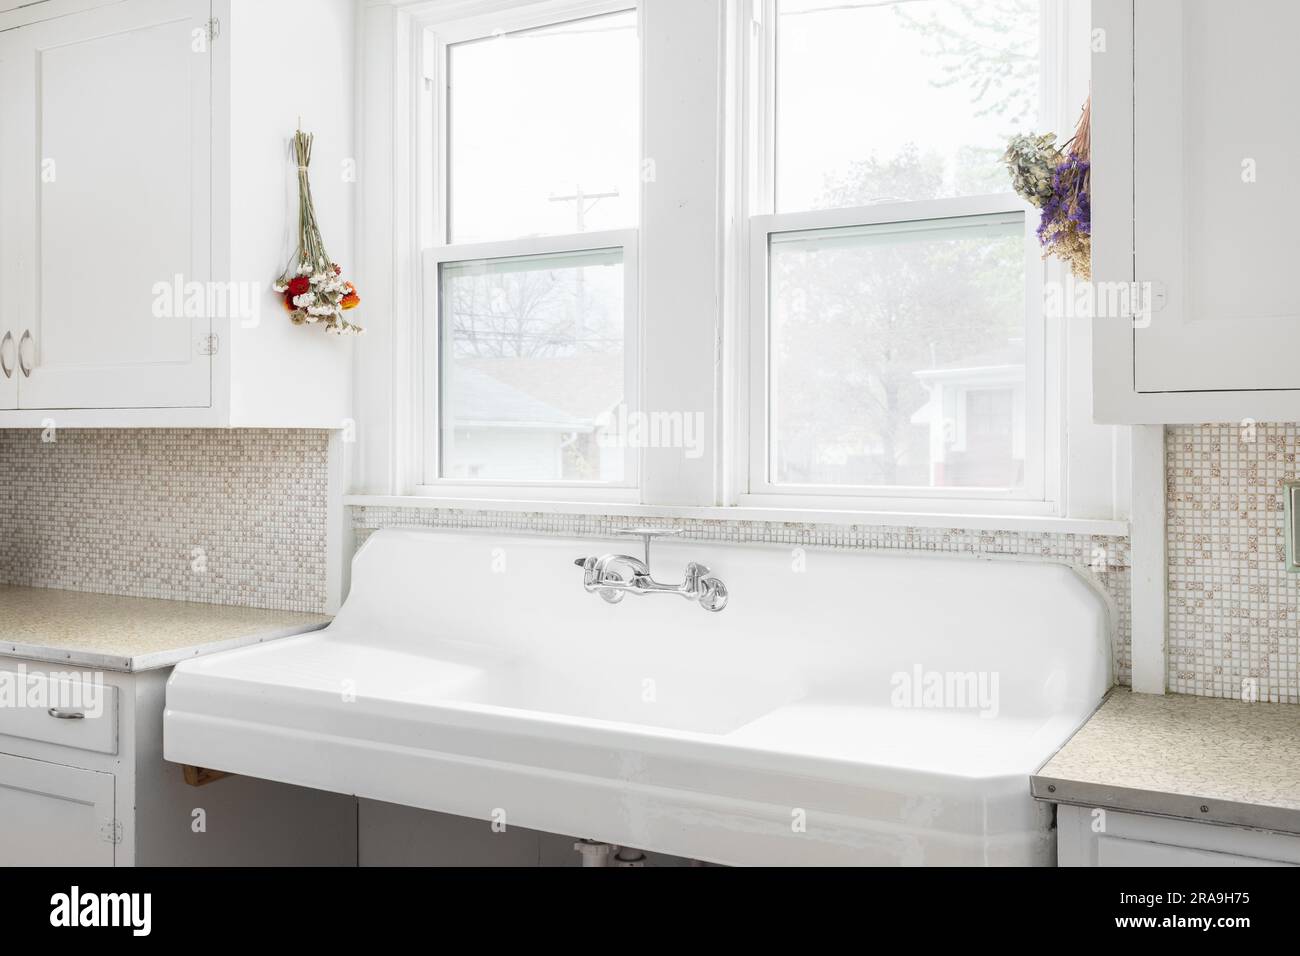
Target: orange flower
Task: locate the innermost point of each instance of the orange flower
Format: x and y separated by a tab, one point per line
351	300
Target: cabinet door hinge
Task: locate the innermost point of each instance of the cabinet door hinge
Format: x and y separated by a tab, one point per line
1133	305
210	344
214	28
111	833
1145	298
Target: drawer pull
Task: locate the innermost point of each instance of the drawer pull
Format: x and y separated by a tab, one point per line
66	714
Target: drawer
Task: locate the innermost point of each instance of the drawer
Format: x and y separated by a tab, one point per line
1088	836
1117	851
45	707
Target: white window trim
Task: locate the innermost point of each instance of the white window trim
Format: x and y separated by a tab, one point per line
1092	473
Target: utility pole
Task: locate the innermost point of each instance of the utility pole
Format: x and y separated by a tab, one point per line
580	201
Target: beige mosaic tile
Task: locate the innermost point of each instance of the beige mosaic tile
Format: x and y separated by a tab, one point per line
1234	630
213	515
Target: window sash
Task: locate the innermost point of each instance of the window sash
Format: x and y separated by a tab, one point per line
435	175
522	20
758	361
430	425
432	229
750	454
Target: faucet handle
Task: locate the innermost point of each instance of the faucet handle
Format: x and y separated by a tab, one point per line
695	572
713	595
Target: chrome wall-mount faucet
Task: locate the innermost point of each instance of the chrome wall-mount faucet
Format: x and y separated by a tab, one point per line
614	576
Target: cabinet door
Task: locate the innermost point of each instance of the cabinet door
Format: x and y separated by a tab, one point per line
11	248
107	130
1216	194
52	815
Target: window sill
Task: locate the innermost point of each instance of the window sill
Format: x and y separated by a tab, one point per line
895	519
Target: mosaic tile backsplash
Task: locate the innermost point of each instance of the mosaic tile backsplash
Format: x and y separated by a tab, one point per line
1104	559
1234	629
213	515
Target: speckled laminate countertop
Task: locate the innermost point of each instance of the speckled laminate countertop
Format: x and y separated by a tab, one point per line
1200	758
130	634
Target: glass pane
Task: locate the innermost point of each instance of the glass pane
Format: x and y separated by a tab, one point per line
898	355
912	99
543	130
532	367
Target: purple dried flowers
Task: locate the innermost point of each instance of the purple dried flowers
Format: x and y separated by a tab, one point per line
1060	184
1065	229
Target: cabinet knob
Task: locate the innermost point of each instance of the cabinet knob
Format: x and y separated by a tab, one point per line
5	365
66	714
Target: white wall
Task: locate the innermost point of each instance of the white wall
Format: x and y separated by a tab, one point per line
290	59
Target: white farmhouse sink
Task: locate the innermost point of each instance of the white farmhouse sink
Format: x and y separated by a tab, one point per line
471	673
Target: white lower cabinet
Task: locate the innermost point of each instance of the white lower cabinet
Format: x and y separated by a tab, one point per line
83	783
1092	837
51	815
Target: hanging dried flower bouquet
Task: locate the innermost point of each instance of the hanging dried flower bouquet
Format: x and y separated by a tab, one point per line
312	285
1059	182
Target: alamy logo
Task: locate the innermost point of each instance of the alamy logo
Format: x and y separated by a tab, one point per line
919	689
622	428
72	692
75	908
178	299
1073	299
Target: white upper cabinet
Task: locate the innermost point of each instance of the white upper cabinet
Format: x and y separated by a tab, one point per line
11	260
113	199
1194	196
148	201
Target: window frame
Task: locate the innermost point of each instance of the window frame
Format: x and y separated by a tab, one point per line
433	175
711	53
752	446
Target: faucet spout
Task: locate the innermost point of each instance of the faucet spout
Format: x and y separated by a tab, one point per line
638	567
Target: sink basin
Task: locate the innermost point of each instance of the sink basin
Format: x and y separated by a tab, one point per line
471	673
474	678
692	701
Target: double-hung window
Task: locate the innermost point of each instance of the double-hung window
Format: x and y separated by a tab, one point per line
530	262
897	350
863	307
